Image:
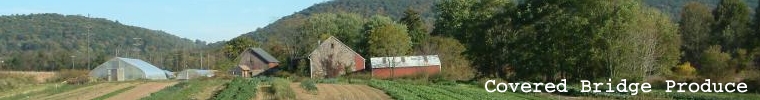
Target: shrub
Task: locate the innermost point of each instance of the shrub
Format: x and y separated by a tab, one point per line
715	65
72	76
685	69
309	85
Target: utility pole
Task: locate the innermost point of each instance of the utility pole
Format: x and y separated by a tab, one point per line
137	47
87	38
87	50
201	59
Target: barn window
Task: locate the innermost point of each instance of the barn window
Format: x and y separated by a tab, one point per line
332	45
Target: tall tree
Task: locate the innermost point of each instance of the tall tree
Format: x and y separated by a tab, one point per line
696	22
234	47
461	20
732	24
387	38
755	41
415	26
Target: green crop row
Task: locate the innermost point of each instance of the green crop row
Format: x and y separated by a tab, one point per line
403	91
239	89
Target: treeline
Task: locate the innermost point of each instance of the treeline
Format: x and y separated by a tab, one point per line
544	40
45	42
598	39
363	8
674	7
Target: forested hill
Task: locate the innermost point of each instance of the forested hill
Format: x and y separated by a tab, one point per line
366	8
48	41
395	8
674	7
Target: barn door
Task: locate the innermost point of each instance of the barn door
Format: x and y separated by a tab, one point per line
114	74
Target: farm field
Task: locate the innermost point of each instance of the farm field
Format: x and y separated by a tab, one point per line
191	89
399	90
142	90
134	90
38	76
340	92
90	92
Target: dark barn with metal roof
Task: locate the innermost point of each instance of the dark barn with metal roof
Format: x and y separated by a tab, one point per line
254	61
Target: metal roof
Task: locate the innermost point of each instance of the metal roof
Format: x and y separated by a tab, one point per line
264	55
144	66
405	61
192	73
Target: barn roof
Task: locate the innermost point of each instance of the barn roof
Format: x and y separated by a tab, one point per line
405	61
264	55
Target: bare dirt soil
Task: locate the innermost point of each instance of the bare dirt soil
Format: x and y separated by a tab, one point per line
142	90
340	92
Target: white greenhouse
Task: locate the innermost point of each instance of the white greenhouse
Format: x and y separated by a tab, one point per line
123	69
194	73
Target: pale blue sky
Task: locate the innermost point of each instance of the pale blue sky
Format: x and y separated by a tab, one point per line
207	20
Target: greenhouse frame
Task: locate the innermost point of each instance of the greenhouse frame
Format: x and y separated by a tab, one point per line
124	69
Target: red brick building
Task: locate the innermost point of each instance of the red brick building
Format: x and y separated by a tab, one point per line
393	67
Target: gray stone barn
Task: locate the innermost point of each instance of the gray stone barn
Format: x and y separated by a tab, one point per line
332	58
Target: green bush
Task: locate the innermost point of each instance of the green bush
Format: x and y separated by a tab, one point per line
309	85
72	76
716	65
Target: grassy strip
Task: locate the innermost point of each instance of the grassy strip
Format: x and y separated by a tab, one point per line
25	89
114	93
184	90
282	90
49	91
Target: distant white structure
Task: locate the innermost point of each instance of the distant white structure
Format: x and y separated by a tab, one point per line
194	73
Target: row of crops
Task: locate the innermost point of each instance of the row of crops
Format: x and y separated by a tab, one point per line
403	91
239	89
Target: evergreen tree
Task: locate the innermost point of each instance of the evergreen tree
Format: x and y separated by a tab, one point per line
415	26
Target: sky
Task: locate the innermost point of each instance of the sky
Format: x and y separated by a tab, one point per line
206	20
